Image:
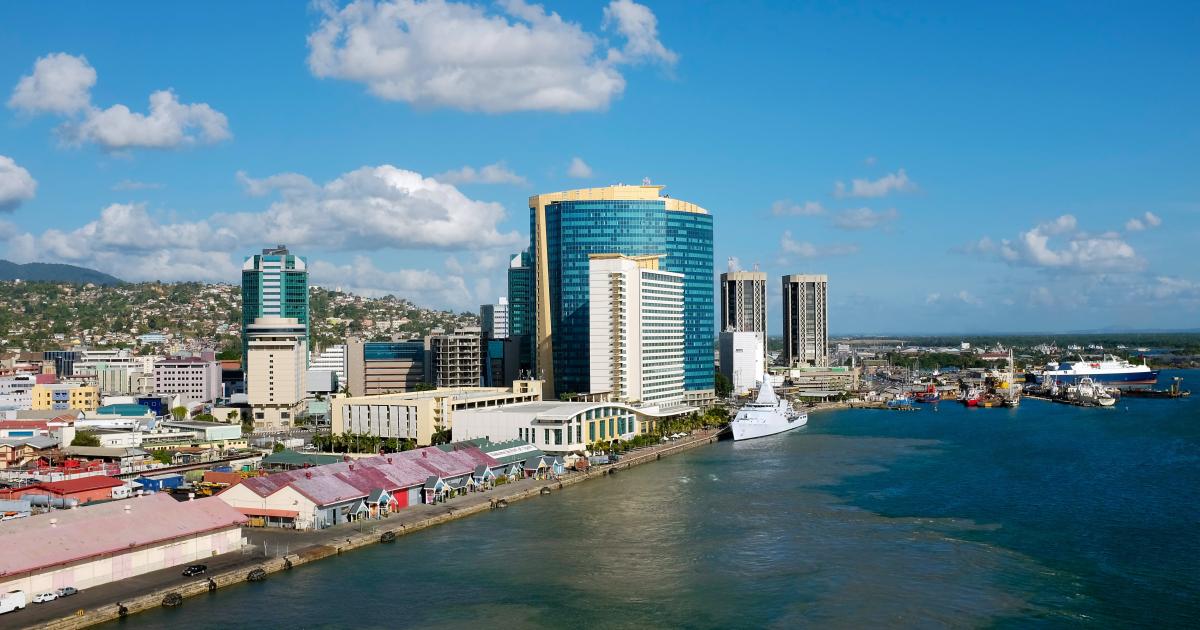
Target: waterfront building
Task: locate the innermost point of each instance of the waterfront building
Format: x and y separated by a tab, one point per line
521	310
384	367
636	330
275	371
567	227
493	319
192	379
806	320
742	359
560	427
419	415
114	541
274	284
331	359
744	302
60	396
457	358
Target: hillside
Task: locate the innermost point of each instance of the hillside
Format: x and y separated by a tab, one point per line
50	272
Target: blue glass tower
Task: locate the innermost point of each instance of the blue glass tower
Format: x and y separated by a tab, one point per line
567	227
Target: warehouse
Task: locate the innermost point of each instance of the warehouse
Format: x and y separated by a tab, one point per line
112	541
80	489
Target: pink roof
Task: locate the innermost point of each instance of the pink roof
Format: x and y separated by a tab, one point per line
32	543
334	483
25	424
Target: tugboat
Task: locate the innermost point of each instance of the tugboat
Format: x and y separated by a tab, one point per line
930	395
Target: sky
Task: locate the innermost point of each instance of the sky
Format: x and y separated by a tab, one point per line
953	167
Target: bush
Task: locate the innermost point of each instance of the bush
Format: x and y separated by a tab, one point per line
85	438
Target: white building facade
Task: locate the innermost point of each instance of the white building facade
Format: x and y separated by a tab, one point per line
635	321
331	359
276	358
742	359
191	379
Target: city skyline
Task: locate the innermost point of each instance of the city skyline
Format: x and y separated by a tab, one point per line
1005	171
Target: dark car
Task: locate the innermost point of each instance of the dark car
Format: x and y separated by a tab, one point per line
67	591
195	569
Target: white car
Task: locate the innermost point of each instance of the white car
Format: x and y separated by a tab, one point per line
41	598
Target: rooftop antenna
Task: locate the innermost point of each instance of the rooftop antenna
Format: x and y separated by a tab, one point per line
645	181
756	266
732	264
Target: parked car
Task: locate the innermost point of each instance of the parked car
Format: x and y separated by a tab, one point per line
195	569
42	598
67	591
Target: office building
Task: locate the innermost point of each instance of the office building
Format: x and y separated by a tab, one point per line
806	320
567	227
457	358
493	319
62	396
502	364
332	359
192	379
636	330
744	302
742	359
275	371
521	311
63	360
384	367
274	284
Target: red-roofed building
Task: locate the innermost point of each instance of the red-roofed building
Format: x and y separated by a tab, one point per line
82	489
113	541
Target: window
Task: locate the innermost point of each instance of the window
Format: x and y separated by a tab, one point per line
591	431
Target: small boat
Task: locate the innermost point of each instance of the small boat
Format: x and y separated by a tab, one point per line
901	400
1089	392
971	399
930	395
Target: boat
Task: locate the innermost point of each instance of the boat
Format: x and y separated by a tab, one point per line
971	399
1109	371
767	415
1089	392
930	395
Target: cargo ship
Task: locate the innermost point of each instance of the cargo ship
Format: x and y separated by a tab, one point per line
1109	371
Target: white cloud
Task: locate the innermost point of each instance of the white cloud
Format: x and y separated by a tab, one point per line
60	83
579	169
791	247
933	298
785	207
1081	252
1147	220
864	218
497	173
967	298
129	184
639	26
422	285
288	184
892	182
516	57
16	184
870	160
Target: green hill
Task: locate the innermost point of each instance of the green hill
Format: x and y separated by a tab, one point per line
49	272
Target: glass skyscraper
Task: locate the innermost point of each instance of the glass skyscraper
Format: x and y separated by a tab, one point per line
274	284
520	308
567	227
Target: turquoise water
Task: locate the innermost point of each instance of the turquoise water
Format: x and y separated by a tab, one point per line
1046	515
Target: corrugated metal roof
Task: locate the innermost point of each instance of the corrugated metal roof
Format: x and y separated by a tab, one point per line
81	484
34	543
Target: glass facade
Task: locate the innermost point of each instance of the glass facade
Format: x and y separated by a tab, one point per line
393	350
274	284
576	229
520	307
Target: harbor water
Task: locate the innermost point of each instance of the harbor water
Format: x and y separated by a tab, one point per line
1045	515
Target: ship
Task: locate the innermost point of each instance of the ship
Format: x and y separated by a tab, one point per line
767	415
1109	371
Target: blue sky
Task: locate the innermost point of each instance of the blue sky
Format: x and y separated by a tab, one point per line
1003	166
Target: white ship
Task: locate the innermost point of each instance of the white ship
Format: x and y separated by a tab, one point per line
1109	371
767	415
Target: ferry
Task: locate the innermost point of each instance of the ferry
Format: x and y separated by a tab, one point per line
1109	371
767	415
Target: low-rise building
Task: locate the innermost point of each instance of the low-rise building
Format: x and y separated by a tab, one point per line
62	396
24	451
113	541
192	379
742	359
81	489
560	427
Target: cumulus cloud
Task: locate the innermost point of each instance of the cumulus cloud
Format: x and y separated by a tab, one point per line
130	184
61	84
892	182
579	169
16	184
363	277
1080	251
785	207
517	57
803	249
497	173
288	184
960	297
864	218
1147	220
870	160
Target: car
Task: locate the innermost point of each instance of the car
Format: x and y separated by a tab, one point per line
67	591
195	569
42	598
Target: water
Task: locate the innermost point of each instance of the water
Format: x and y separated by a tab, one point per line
1047	515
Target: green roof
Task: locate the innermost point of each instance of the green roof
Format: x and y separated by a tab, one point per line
505	452
292	458
124	409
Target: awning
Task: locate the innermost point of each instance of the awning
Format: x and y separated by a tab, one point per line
268	512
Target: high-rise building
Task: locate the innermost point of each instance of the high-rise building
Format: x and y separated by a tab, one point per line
493	319
331	359
567	227
521	309
274	284
193	379
636	330
806	320
743	360
744	302
385	367
275	371
457	358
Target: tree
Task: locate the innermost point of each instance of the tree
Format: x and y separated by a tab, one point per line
85	438
204	417
179	413
278	447
424	387
162	457
723	386
232	416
